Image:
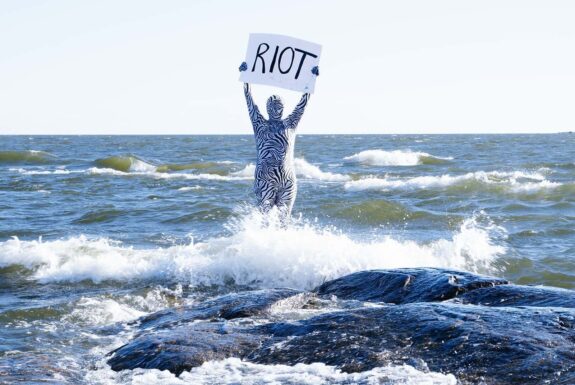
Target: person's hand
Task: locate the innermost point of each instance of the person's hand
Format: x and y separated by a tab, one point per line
243	67
315	71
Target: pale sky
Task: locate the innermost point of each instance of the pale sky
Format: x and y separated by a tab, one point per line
170	67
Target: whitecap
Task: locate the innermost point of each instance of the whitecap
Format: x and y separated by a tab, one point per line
393	158
514	181
190	188
309	171
303	169
42	172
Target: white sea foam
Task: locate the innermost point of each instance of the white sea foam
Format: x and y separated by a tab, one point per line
163	175
102	311
303	169
247	172
236	371
140	168
256	253
105	310
515	181
43	172
391	158
190	188
309	171
138	165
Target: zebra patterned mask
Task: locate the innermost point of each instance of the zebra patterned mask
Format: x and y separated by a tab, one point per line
275	107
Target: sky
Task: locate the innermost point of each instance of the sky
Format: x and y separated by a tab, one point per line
171	67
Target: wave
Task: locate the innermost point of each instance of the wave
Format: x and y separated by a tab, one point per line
236	371
162	175
99	216
514	181
109	309
133	164
303	169
257	252
125	164
309	171
395	158
220	170
59	171
29	156
220	167
246	172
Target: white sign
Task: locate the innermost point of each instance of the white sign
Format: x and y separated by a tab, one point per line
281	61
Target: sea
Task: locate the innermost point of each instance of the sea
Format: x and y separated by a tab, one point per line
97	231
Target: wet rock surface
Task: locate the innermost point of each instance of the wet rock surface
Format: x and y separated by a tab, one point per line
481	329
230	306
401	286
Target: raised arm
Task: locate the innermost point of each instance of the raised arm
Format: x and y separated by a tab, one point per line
255	115
293	119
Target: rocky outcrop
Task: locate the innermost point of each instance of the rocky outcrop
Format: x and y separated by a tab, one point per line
478	328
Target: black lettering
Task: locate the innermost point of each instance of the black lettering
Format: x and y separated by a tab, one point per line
259	55
305	53
280	61
274	59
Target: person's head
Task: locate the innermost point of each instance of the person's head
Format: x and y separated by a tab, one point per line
275	107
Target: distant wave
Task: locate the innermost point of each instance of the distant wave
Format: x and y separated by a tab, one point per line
131	163
515	181
161	175
42	172
125	164
319	254
29	156
394	158
212	170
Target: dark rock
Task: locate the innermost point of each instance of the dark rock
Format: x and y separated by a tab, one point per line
230	306
515	295
498	345
184	347
405	285
487	331
171	340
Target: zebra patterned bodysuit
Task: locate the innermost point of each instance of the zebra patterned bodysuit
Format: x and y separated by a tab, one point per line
275	181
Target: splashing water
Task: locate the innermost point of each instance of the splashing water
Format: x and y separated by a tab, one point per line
258	252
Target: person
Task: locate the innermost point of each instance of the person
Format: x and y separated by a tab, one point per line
275	182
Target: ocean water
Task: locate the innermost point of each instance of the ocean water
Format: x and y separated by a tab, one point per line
96	231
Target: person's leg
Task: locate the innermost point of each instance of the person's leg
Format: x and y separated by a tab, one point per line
265	194
285	199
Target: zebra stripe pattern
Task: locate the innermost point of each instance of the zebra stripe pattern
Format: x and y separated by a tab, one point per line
275	181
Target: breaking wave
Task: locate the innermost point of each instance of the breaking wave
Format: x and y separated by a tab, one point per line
125	164
515	181
303	169
258	253
224	170
394	158
309	171
132	163
29	156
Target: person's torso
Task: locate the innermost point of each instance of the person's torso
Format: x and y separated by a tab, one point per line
275	146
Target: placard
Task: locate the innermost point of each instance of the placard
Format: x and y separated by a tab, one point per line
281	61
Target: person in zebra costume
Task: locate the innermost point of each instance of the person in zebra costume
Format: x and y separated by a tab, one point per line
275	181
